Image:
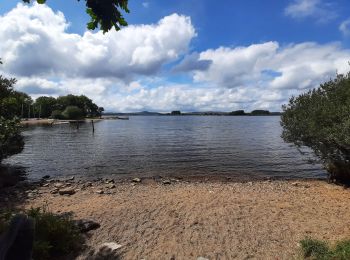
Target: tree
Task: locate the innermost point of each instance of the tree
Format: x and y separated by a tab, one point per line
320	119
100	111
238	113
45	106
260	112
11	141
73	112
104	14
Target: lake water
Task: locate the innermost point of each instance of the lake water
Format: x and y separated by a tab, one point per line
239	147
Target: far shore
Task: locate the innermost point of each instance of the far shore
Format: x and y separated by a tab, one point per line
186	219
47	121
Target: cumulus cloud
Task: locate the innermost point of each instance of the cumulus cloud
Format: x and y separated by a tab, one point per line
318	9
34	41
345	27
192	62
295	66
124	71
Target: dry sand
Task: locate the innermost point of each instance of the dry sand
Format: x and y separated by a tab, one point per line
186	220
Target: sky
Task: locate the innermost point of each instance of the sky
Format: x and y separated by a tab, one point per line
188	55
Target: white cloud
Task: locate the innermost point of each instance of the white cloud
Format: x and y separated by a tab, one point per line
122	70
318	9
297	66
34	41
345	27
145	4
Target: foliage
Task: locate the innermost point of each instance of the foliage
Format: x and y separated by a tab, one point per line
57	114
55	236
11	141
176	113
44	106
104	14
320	119
73	112
238	113
316	249
260	112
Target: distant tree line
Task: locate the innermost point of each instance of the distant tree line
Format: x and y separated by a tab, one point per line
18	104
66	107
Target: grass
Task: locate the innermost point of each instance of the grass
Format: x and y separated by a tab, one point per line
320	250
55	236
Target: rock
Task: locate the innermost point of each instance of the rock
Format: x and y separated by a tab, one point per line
59	185
71	178
86	225
46	177
166	182
106	251
136	180
45	184
54	191
202	258
109	181
100	192
111	186
295	184
67	191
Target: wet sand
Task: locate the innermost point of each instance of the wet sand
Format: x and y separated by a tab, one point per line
215	220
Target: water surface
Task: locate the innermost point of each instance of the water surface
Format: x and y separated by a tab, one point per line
239	147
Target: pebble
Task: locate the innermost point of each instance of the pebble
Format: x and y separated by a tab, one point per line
99	191
166	182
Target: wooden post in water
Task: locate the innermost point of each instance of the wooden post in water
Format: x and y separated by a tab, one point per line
93	126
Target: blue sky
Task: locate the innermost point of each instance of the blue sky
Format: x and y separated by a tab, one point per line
223	55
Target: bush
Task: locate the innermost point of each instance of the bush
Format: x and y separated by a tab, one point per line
11	140
57	114
316	249
320	119
54	237
73	112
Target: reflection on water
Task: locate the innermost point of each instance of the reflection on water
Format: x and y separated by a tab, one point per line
167	146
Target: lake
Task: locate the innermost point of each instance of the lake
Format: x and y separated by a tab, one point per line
145	146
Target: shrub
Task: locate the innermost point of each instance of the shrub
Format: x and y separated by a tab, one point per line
316	249
11	140
57	114
73	112
320	119
55	236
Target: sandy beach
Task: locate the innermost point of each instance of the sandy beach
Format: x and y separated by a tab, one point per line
215	220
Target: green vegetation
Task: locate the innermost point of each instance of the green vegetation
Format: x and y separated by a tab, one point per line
55	236
237	113
103	14
175	113
320	119
11	141
320	250
260	112
73	112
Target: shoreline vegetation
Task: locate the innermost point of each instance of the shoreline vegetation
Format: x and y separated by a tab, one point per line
177	218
